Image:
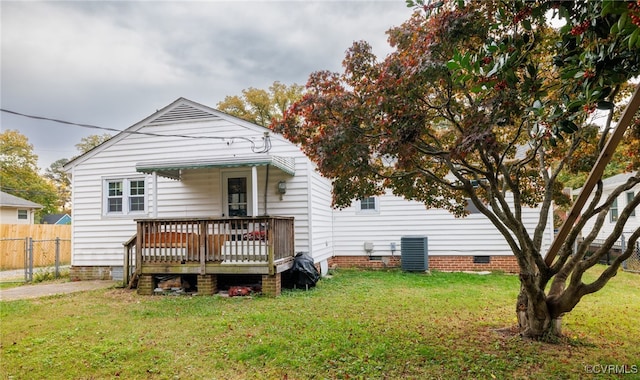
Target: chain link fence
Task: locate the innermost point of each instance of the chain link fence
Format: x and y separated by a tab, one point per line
632	264
46	257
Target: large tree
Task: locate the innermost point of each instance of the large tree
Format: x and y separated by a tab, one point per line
60	178
89	142
484	102
261	106
19	174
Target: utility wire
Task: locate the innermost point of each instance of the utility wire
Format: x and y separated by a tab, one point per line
265	148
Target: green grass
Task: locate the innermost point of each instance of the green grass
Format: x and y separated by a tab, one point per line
357	324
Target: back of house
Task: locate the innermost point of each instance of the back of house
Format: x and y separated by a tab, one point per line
370	234
190	162
200	192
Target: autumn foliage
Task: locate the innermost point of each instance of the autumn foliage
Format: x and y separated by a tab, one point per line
484	102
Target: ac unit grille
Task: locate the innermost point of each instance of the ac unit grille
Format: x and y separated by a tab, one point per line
414	253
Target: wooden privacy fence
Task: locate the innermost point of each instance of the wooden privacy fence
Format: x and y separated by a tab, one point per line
43	241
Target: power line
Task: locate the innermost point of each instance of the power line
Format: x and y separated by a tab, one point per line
265	148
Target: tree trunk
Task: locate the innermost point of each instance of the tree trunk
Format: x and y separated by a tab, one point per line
534	318
556	325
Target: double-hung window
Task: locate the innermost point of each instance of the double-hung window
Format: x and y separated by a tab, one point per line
124	196
136	195
630	196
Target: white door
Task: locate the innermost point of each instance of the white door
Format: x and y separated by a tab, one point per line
236	194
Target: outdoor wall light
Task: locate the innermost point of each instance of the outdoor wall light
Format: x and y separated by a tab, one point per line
282	188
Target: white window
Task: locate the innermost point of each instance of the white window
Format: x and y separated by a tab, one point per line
136	195
23	214
630	196
613	211
124	196
368	204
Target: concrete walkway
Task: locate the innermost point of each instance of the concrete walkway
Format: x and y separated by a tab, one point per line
50	289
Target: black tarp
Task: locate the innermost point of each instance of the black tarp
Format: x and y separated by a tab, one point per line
303	274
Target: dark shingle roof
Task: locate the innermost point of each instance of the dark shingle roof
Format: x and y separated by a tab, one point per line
8	200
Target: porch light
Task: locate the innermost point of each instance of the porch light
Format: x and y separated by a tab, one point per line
282	188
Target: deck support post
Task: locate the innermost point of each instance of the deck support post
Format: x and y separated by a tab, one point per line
202	244
271	284
145	285
207	284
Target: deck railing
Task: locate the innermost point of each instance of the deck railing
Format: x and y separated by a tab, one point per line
129	267
249	240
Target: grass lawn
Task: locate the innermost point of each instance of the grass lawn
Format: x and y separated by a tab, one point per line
357	324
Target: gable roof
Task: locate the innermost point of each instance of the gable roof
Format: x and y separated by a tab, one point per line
8	200
180	110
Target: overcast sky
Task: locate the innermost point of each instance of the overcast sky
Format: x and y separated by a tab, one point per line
112	64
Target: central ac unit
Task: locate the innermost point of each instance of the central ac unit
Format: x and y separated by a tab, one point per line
414	253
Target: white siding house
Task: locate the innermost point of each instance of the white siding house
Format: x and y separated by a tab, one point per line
184	162
609	184
188	160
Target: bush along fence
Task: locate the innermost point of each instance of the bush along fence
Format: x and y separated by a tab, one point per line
38	246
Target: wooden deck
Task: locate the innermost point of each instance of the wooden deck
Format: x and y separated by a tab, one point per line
205	246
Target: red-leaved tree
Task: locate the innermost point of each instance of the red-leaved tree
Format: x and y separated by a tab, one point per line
483	101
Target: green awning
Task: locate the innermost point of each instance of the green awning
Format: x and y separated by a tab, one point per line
172	169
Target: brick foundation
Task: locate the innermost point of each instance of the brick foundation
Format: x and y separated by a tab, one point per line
89	273
364	262
442	263
272	285
207	284
507	264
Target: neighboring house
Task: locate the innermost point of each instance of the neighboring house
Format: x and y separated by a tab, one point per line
15	210
194	191
56	219
608	185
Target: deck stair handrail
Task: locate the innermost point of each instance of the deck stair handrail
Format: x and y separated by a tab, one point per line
129	259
